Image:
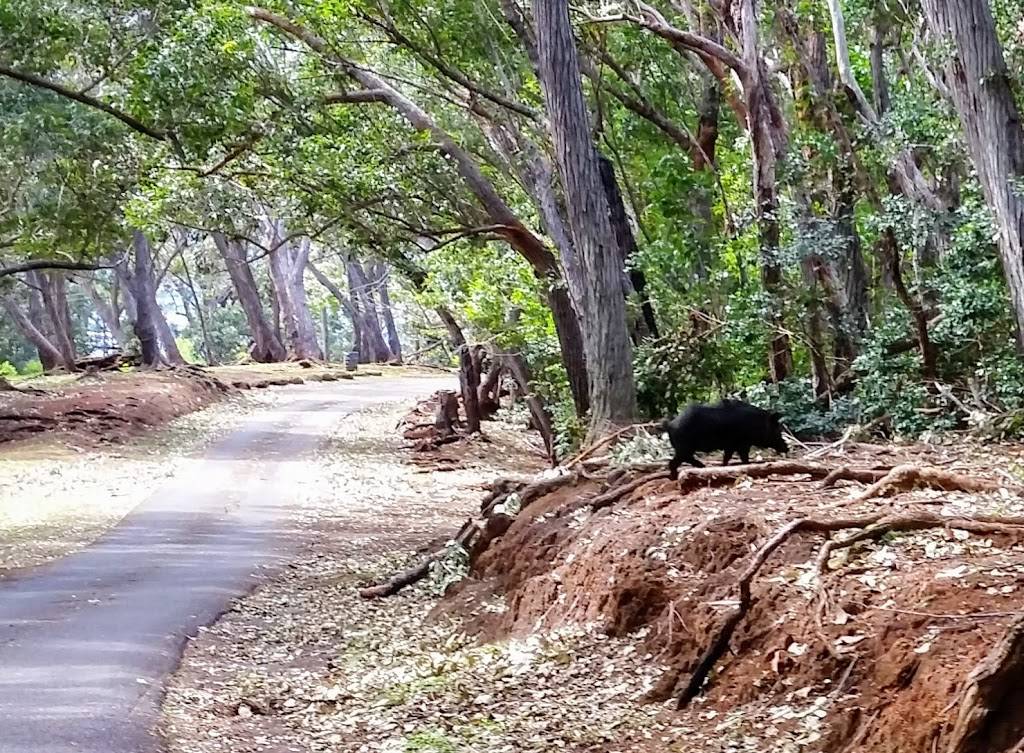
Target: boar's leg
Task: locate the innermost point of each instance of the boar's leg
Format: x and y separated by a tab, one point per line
728	456
673	466
744	453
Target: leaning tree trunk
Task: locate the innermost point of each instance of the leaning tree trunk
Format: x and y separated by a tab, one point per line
53	287
346	304
106	310
383	276
287	270
979	83
158	348
267	346
606	337
469	376
49	355
362	301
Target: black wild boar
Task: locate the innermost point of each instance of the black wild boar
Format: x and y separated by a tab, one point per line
731	425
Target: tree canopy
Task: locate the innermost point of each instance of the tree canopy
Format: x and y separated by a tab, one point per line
818	204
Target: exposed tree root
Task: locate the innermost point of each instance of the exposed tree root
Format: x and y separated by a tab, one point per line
990	694
613	495
845	473
873	526
717	475
905	477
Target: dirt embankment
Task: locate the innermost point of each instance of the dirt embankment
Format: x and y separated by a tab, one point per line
905	640
109	406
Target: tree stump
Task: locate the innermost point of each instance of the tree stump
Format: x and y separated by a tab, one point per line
447	416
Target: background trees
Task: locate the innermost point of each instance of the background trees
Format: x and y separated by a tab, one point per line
818	203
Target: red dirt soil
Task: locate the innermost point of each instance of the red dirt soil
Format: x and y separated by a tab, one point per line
892	652
107	408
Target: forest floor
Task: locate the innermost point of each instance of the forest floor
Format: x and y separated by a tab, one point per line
577	629
78	453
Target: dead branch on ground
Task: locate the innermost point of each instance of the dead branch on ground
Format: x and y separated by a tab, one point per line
605	441
415	574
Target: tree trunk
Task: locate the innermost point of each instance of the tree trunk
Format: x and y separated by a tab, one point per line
53	287
469	376
645	325
515	364
979	83
287	271
106	311
346	305
606	337
49	355
383	275
267	346
158	347
889	249
362	300
815	341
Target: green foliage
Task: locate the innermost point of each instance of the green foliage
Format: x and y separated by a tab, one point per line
802	414
429	741
7	369
32	368
187	348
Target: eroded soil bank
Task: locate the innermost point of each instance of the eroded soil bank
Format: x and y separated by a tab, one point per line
578	629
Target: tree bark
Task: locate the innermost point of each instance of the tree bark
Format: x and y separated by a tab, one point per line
469	376
107	311
346	304
287	272
979	82
190	287
645	325
377	349
49	355
606	337
516	365
383	276
53	287
158	346
267	346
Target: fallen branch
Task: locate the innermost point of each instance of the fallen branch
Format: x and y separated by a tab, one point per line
415	574
605	441
906	477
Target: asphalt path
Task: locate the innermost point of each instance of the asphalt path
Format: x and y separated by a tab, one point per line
88	642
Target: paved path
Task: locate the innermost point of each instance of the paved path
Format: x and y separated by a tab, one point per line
87	642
